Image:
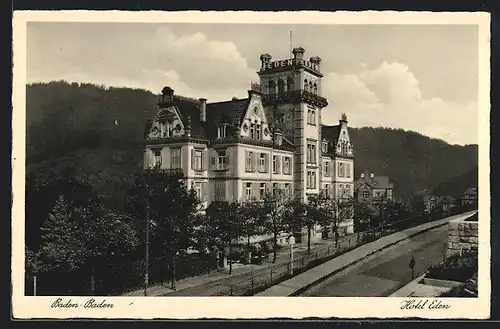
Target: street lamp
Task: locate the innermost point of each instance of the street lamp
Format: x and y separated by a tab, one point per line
291	242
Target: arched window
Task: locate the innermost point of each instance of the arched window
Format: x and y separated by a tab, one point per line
289	84
315	89
310	86
272	87
281	87
306	85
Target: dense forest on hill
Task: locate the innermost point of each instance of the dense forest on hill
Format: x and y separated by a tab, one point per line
457	185
92	131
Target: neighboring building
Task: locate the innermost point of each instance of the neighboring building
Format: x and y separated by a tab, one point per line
469	196
369	187
428	201
238	149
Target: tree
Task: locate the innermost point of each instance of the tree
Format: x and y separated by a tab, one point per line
225	225
310	214
160	199
275	211
63	241
364	215
250	220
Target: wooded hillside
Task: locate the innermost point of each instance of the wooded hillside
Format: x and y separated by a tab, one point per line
94	131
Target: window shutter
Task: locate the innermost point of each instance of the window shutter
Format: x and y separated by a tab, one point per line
192	159
255	190
228	157
204	160
266	163
212	163
278	164
255	162
247	166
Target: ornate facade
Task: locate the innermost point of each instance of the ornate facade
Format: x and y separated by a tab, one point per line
241	148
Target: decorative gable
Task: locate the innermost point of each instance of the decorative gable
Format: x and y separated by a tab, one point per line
166	124
255	124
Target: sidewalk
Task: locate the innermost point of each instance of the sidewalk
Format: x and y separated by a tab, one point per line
239	270
416	289
302	281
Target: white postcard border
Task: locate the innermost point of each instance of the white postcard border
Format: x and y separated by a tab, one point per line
24	307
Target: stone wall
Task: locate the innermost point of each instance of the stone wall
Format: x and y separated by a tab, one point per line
462	235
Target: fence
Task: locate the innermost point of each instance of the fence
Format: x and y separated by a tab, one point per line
266	277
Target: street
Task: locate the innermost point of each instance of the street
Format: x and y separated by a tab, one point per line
385	272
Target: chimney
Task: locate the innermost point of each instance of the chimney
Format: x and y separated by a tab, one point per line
362	175
203	109
372	175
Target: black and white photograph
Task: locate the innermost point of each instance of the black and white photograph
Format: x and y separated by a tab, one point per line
224	156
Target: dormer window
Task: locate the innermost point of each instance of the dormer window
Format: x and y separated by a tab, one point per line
278	139
221	131
324	147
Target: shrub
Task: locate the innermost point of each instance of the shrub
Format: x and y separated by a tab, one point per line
455	268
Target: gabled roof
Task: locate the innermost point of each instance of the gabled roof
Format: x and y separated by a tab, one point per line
190	115
230	112
471	190
379	182
330	133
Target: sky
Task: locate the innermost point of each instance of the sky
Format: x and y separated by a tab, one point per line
415	77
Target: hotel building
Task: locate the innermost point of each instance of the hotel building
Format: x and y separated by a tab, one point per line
238	149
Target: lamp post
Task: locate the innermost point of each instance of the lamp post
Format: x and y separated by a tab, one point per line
146	275
291	242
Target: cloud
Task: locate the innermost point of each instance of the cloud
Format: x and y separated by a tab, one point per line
191	64
389	96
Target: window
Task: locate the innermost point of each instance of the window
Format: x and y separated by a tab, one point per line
248	191
262	190
275	188
157	161
286	165
306	85
220	191
327	189
315	89
348	170
324	147
288	189
197	161
311	179
365	194
327	168
252	131
175	159
263	162
311	152
311	116
289	84
249	161
275	164
348	190
278	138
281	86
221	160
199	189
341	169
221	131
258	131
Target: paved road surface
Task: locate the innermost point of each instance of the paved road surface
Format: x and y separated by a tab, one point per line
386	272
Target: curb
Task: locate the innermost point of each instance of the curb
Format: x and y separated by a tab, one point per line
321	279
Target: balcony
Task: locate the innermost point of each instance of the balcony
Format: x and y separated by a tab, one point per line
295	96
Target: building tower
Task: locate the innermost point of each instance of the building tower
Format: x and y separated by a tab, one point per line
291	91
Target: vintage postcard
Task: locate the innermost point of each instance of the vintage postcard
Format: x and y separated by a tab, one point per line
187	165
